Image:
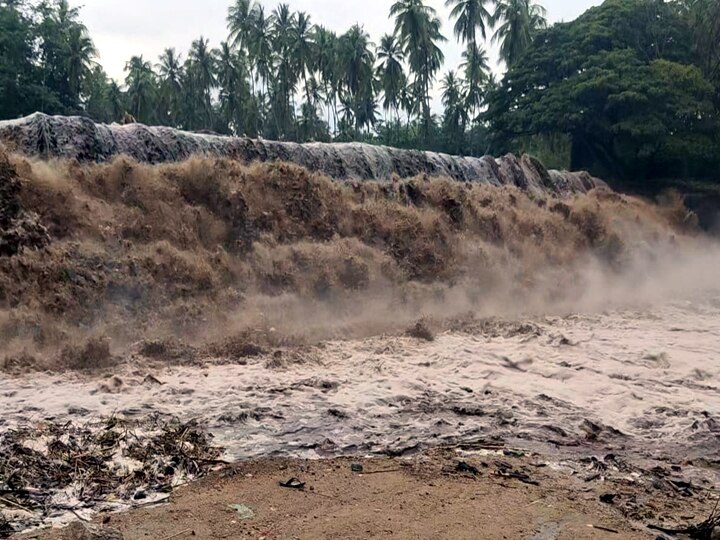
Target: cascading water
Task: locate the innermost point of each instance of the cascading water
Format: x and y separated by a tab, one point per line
82	139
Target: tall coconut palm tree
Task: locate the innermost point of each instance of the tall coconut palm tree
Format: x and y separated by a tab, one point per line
64	48
519	21
390	72
238	22
475	68
68	16
201	71
302	48
232	77
95	94
170	73
325	61
453	99
259	47
419	29
470	17
284	76
409	102
116	101
140	83
79	53
356	63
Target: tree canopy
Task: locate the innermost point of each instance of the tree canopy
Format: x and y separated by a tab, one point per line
629	90
625	84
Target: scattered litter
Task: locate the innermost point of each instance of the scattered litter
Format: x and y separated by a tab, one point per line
293	483
464	467
506	470
516	366
605	529
243	511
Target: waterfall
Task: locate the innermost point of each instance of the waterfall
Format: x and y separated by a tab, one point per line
80	138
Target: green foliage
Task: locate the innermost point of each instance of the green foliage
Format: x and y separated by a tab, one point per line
44	55
630	90
418	27
517	21
622	83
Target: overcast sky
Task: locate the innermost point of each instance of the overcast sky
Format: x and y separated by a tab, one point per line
122	28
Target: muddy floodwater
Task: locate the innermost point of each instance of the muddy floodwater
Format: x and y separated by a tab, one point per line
643	381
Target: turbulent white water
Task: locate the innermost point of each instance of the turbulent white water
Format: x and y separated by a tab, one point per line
80	138
646	380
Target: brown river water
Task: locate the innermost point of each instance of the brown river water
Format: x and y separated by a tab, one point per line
643	379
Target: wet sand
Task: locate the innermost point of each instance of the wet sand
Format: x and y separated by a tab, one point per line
422	497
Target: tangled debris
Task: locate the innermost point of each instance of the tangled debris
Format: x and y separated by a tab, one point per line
50	469
422	331
707	530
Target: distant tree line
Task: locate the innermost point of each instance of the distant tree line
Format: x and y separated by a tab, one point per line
277	75
631	88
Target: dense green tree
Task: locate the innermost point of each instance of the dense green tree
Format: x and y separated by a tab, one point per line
619	81
629	90
703	16
21	88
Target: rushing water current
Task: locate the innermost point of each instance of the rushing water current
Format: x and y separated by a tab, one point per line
80	138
